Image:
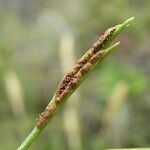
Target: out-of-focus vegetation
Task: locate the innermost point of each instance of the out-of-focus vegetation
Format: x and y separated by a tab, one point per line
30	68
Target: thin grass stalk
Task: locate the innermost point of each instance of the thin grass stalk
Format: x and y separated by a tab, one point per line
55	104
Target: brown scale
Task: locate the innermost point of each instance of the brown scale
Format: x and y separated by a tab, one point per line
96	57
69	83
85	68
65	82
81	62
64	93
88	55
103	40
44	116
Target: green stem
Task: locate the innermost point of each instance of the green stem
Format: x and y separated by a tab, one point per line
29	140
36	131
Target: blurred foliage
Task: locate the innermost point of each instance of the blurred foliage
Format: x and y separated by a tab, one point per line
112	73
29	40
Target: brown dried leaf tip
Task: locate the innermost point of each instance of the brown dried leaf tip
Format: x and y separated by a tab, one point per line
72	78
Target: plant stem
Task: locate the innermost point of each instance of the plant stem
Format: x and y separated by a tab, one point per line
36	131
31	137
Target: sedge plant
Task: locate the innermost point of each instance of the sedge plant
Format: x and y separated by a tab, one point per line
73	79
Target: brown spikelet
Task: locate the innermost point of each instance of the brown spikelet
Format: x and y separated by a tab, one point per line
83	64
85	68
72	78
